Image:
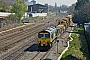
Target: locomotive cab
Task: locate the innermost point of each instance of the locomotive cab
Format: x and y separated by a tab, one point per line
43	38
46	37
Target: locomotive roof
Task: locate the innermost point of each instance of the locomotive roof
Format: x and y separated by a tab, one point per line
43	31
51	29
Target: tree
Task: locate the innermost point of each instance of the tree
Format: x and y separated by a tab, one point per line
86	11
11	17
82	15
4	7
19	8
80	3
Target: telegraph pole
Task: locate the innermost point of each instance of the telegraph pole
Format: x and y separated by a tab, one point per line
57	45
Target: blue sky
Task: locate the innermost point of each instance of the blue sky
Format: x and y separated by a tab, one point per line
59	2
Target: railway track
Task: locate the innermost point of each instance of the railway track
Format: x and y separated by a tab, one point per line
23	45
17	29
17	50
19	38
24	39
41	55
10	33
11	39
29	36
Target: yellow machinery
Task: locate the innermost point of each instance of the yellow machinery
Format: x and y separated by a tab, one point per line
67	21
62	22
60	29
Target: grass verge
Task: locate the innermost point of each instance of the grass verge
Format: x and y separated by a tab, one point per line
78	47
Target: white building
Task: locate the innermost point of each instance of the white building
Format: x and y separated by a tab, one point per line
29	2
4	14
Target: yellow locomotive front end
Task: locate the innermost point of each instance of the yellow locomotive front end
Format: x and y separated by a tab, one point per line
43	38
46	38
